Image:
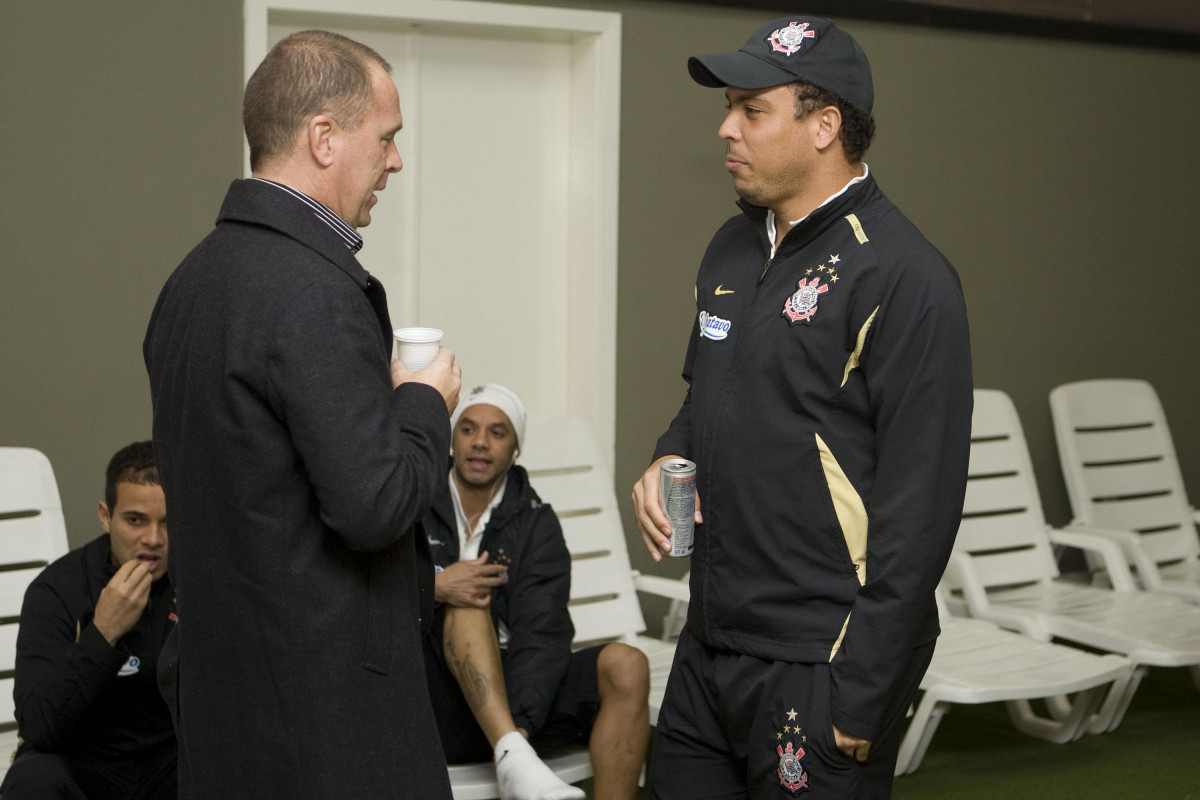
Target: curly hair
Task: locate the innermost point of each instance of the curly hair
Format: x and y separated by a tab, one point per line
858	126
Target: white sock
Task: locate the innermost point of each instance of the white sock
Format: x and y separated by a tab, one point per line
523	776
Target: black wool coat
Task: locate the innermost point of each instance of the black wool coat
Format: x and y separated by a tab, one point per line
295	479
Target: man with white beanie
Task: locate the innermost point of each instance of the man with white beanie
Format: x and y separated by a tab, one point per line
501	673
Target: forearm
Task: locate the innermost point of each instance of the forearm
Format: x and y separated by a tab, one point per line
56	685
373	453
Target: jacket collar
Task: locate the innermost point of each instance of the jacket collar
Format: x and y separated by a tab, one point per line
259	203
853	197
518	493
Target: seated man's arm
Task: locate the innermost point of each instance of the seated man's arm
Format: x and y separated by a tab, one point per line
63	665
540	629
468	584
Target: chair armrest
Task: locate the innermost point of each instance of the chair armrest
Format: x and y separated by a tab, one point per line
962	575
671	588
1131	547
1107	549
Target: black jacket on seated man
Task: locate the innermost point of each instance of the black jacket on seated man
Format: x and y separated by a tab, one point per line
523	534
80	698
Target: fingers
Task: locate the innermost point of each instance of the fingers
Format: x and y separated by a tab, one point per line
442	374
486	572
852	746
122	600
443	359
451	394
132	579
400	373
652	522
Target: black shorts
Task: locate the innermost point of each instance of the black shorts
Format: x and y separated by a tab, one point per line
737	726
572	713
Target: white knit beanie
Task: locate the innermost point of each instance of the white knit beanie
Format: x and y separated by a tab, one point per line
503	398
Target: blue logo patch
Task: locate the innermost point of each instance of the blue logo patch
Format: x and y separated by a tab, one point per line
130	667
713	327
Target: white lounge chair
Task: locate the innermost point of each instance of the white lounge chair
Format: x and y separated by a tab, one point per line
568	469
32	534
1124	482
1005	570
976	661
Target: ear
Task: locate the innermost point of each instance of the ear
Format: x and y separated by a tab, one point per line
104	515
320	132
829	124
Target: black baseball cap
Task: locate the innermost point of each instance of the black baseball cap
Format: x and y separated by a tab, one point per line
808	48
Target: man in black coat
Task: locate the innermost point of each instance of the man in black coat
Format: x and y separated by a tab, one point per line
92	723
297	460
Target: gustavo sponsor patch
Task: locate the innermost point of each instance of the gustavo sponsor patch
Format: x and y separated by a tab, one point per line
714	327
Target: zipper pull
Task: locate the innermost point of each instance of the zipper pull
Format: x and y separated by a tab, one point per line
763	274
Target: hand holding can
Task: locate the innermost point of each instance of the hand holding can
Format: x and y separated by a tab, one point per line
677	493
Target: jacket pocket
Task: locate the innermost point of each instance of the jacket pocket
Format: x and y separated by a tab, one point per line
381	586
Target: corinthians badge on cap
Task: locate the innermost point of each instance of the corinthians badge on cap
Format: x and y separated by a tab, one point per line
790	39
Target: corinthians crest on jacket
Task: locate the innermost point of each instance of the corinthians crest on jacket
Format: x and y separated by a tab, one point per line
802	305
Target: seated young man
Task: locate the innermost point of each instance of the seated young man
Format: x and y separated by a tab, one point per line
92	723
499	662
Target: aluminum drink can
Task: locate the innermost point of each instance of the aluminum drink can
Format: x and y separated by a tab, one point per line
677	490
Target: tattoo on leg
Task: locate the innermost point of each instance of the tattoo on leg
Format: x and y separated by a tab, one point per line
474	684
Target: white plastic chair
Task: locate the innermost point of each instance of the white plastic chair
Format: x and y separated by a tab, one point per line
1005	569
567	468
976	661
1124	482
32	534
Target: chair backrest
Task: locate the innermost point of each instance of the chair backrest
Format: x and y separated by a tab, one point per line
1003	527
32	534
567	468
1119	464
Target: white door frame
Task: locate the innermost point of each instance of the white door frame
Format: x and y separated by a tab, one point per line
594	160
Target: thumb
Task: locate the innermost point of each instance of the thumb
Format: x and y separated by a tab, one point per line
482	559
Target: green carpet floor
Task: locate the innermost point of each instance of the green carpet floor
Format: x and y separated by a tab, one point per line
976	754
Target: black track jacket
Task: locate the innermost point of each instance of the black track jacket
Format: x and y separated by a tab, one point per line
829	414
522	533
75	694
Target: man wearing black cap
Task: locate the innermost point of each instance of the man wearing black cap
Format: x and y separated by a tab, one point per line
829	414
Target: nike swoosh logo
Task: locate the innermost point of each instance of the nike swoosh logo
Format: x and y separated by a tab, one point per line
722	290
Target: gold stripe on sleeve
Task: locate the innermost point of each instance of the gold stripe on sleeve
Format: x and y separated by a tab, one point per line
851	513
837	645
852	362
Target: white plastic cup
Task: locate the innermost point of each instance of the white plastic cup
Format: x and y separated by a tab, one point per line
417	347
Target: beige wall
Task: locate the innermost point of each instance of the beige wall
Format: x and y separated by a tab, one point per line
121	131
1057	176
